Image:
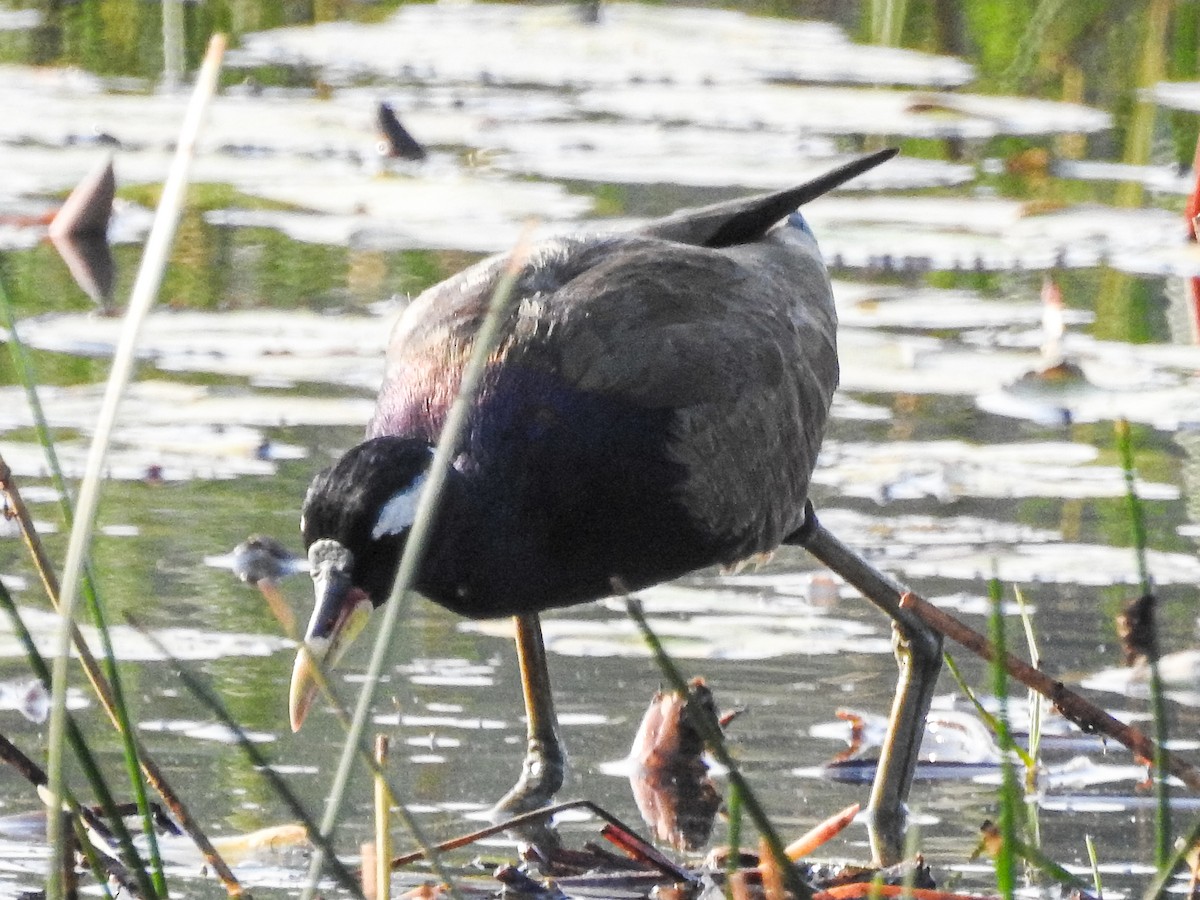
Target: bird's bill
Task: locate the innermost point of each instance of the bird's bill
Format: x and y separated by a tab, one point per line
340	613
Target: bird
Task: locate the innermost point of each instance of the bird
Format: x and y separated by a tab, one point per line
655	405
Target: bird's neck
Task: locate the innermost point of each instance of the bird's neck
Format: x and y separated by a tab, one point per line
469	559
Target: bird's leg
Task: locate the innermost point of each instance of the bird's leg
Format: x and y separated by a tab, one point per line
919	655
542	771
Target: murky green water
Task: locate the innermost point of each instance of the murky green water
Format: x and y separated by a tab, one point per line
944	461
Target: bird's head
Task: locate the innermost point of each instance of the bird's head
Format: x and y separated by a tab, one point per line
356	517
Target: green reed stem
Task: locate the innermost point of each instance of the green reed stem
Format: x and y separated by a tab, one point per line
202	693
1031	42
1033	703
84	821
733	806
1133	504
912	851
87	762
142	296
1035	699
992	723
119	709
887	21
710	730
1008	795
92	857
1158	707
396	605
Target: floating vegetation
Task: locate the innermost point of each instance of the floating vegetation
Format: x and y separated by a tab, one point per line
551	47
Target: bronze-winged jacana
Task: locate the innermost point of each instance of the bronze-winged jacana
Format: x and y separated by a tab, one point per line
655	405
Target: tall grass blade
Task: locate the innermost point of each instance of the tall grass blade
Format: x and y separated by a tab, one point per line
393	797
73	736
414	549
1187	845
111	695
992	723
1044	864
1074	707
1008	795
1158	707
114	706
912	849
1033	702
145	289
107	687
705	723
383	825
83	821
1031	42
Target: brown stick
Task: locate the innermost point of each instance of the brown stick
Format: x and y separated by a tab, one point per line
821	833
100	685
1088	716
109	857
638	849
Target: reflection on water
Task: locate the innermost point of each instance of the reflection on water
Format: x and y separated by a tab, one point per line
953	453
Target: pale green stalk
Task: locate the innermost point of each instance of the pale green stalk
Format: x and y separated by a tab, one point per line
414	549
912	847
145	289
1158	709
202	693
989	720
733	808
1031	42
87	762
1094	859
1006	821
120	710
1162	878
1033	701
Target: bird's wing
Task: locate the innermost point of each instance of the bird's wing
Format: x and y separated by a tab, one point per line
738	345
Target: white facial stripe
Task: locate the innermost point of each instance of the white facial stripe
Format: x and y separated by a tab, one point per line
399	512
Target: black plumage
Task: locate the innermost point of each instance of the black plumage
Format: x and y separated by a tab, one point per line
656	405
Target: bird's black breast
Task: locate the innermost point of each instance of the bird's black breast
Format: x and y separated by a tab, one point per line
569	490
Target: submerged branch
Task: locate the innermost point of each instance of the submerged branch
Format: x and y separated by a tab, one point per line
1087	715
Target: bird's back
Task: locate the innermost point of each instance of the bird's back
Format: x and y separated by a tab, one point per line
654	407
